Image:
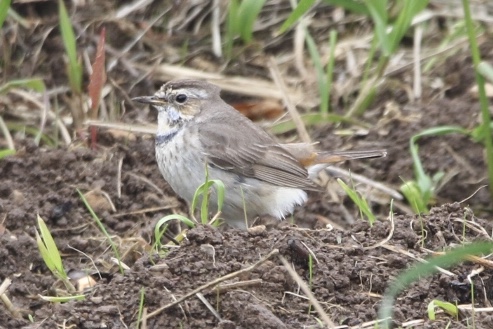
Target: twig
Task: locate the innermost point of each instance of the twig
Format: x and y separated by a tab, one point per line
133	128
5	284
215	29
418	36
148	182
295	115
5	299
208	305
237	285
213	283
119	178
410	255
258	88
146	210
6	134
308	293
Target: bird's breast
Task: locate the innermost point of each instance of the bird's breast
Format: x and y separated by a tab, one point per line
180	161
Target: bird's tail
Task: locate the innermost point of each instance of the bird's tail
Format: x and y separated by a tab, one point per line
338	156
322	160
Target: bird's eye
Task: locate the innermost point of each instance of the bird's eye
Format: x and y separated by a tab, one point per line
181	98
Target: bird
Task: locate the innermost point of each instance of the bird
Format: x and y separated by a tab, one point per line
198	130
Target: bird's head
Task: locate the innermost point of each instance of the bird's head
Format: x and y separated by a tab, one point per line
179	101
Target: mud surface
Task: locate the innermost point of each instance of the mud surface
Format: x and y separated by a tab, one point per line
350	273
353	262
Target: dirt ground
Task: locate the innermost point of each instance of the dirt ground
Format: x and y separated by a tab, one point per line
354	263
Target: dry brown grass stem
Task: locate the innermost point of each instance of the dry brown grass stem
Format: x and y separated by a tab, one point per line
323	315
293	112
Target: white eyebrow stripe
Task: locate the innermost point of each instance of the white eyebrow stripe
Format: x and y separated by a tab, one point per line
193	92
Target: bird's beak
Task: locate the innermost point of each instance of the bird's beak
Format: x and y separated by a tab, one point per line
153	100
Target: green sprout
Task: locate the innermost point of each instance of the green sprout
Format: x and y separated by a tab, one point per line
50	254
68	36
360	202
203	194
449	308
422	191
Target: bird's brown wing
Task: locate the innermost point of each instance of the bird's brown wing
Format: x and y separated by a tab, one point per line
246	150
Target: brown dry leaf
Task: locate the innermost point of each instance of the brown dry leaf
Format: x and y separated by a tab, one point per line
267	109
99	201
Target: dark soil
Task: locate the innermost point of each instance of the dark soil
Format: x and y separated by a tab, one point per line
121	181
349	278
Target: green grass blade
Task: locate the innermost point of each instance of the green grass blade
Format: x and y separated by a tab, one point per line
415	197
232	28
359	201
45	254
425	183
248	13
35	84
486	70
4	10
403	22
69	41
102	228
162	225
33	131
319	70
302	7
49	250
356	7
446	306
330	65
62	299
6	153
378	13
195	199
421	270
141	307
483	99
220	190
68	35
204	207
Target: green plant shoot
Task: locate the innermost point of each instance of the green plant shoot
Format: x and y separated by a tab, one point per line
68	36
360	202
204	192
